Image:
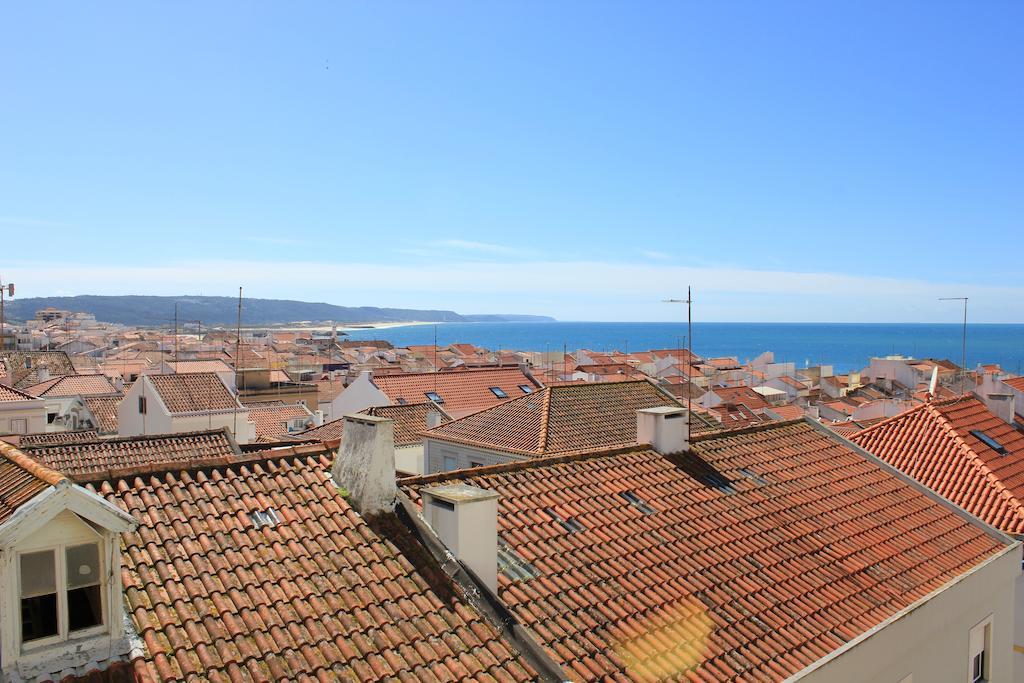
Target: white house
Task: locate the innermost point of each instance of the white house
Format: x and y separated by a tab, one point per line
21	413
61	603
183	402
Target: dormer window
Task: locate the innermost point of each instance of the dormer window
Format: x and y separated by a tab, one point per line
61	593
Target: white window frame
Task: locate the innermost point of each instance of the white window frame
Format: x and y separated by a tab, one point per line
19	425
60	567
981	631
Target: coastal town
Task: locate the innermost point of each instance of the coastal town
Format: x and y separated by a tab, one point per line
286	504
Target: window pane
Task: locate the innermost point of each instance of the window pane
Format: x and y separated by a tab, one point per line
38	574
85	608
38	617
83	563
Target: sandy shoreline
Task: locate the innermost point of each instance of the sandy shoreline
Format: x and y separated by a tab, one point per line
350	328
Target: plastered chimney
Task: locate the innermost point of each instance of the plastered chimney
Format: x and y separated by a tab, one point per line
465	518
664	428
365	464
1002	405
433	419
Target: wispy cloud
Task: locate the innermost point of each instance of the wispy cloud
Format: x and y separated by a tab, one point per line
655	255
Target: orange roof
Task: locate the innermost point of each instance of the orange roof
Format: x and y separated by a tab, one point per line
10	394
741	394
104	409
272	421
409	419
1015	383
74	385
559	419
21	479
202	365
750	558
461	391
90	460
787	412
306	590
934	444
191	392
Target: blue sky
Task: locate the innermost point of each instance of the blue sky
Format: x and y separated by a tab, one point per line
792	161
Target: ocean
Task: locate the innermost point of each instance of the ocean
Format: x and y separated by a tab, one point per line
845	346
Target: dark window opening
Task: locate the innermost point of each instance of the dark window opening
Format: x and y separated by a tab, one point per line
38	617
85	608
499	392
142	405
989	441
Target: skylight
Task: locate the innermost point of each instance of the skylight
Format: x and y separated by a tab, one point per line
637	502
262	518
513	566
569	524
433	396
499	392
989	441
526	388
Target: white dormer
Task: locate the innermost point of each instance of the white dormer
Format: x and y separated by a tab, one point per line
61	600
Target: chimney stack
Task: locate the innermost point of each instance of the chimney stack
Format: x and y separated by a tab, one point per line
664	428
433	419
1000	404
465	518
365	464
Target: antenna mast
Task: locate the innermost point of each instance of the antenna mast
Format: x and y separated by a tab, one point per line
963	349
689	353
238	346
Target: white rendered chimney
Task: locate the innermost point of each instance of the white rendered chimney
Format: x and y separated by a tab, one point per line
665	428
1002	405
465	518
365	464
433	419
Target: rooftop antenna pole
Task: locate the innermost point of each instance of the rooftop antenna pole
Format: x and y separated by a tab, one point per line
175	332
689	343
238	346
435	359
9	290
963	349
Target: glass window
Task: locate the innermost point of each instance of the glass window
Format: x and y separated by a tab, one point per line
85	602
38	595
433	396
499	392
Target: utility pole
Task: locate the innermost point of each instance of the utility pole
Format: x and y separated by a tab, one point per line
9	289
689	352
963	350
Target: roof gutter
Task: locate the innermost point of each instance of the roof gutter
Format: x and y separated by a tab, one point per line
485	602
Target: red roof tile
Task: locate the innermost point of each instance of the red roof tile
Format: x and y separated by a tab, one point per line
190	392
933	443
742	394
462	391
85	460
1015	382
318	594
21	479
74	385
104	410
10	394
749	558
409	419
272	421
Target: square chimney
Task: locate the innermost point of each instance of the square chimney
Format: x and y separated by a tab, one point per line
465	518
664	428
365	464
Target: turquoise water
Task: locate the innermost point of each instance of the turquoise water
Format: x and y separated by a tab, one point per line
844	345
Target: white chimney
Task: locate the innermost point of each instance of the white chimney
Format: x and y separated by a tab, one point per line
665	428
1002	405
433	419
43	374
365	464
465	518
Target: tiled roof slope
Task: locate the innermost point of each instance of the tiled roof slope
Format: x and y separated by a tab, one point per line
104	409
271	421
409	419
21	479
86	460
321	595
57	437
74	385
15	362
1015	382
463	391
209	365
188	392
559	419
933	444
762	550
10	394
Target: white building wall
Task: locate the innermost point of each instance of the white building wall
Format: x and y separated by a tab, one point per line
32	412
361	394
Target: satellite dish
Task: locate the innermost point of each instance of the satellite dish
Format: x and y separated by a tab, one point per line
935	379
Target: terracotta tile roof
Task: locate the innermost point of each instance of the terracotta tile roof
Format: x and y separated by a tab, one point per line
25	440
735	415
74	385
742	394
933	443
104	409
328	389
559	419
786	412
202	365
189	392
793	382
272	421
409	420
21	479
10	394
463	391
328	431
1015	383
749	558
319	593
24	367
90	460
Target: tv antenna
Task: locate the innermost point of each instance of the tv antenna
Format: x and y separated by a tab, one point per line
9	290
689	353
963	350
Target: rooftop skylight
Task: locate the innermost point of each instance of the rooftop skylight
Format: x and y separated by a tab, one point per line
989	441
526	388
499	392
434	396
513	566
